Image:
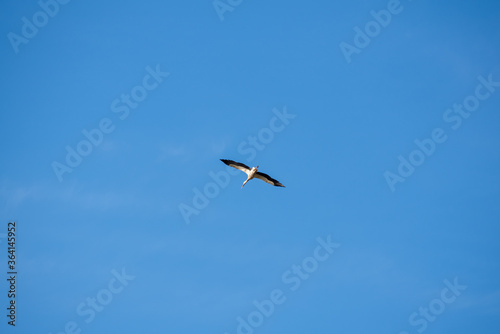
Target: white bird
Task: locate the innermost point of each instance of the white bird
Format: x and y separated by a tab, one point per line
252	172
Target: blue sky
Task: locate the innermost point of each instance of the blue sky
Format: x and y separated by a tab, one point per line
389	219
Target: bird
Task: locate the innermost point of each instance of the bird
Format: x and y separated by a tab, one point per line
252	172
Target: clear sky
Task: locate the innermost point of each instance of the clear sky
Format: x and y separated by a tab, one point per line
381	118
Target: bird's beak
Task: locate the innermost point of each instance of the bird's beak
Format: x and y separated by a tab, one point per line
257	167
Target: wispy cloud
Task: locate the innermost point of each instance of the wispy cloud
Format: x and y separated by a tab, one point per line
15	196
171	150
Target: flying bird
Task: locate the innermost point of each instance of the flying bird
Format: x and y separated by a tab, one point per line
252	172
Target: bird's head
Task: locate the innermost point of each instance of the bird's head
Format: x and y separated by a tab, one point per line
256	167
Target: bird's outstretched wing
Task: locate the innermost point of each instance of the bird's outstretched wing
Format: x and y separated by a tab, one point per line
268	179
237	165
